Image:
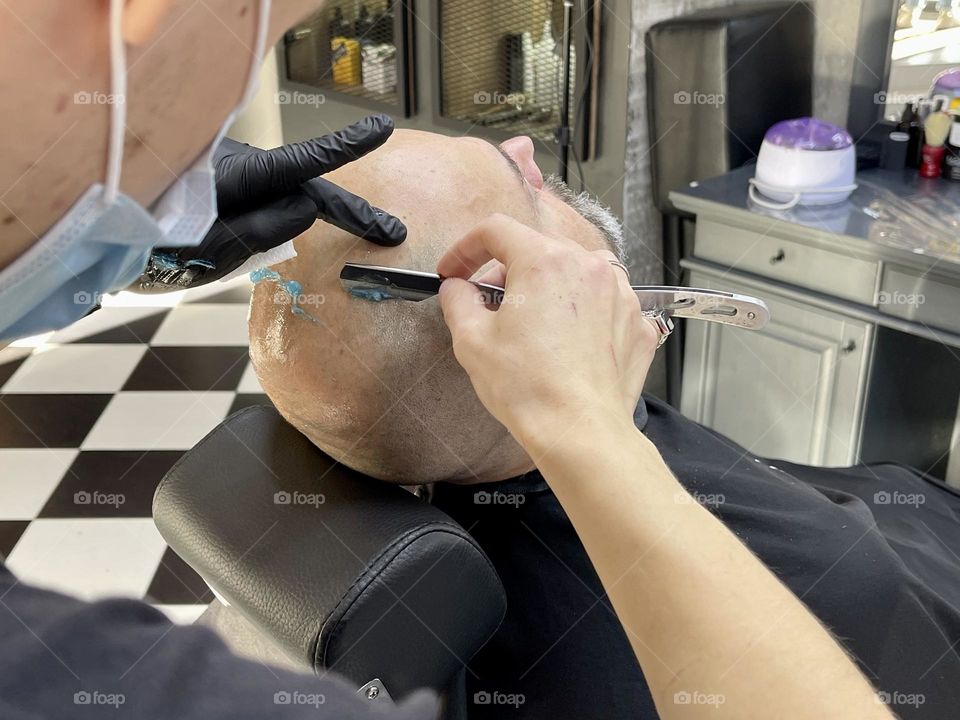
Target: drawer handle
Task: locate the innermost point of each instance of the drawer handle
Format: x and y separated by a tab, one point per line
778	258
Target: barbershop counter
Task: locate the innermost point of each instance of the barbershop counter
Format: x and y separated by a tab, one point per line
861	359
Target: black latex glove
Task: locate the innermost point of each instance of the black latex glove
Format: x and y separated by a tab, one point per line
267	197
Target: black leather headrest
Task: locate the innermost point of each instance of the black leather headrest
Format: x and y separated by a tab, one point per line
344	572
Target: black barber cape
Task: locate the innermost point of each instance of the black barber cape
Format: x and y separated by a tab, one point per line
873	551
62	658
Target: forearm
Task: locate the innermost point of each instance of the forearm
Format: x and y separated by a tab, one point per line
122	659
708	622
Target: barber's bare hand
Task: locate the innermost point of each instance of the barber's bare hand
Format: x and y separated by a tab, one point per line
569	337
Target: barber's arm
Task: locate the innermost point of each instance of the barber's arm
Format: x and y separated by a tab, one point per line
119	659
563	371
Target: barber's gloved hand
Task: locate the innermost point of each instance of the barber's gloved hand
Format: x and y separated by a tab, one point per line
267	197
568	342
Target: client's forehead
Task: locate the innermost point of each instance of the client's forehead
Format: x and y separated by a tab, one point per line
425	176
442	186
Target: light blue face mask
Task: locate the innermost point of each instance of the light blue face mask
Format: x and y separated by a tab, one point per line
104	241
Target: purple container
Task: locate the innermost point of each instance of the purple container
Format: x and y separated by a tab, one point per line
947	83
808	133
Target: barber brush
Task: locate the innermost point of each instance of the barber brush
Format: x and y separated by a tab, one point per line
935	131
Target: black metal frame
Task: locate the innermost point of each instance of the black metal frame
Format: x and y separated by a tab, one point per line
871	71
585	132
404	23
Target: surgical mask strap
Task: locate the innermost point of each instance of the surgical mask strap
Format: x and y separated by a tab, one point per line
259	45
118	103
118	88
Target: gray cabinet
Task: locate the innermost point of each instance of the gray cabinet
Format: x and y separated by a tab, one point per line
794	390
861	359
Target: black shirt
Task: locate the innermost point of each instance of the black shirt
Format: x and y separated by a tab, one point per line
873	551
63	658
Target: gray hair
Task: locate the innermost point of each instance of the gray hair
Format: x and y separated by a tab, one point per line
591	209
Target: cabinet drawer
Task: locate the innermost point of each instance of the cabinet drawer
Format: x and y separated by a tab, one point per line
787	261
920	298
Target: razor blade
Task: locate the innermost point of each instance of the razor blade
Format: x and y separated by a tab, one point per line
375	282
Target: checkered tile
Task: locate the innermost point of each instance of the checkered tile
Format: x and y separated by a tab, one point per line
92	417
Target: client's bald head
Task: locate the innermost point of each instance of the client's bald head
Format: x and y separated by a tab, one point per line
376	384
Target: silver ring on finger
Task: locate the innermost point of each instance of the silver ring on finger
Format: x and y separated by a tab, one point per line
663	322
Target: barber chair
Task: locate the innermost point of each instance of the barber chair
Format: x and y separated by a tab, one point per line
319	568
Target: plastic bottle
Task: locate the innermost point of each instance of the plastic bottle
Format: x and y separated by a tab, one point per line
363	25
338	26
951	158
910	124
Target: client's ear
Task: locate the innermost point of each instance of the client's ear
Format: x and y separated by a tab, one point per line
141	19
522	151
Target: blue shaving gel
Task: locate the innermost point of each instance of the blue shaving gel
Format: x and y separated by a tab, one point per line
372	294
166	261
200	263
291	287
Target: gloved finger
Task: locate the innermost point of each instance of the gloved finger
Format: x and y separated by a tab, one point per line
270	173
306	160
235	193
352	213
229	146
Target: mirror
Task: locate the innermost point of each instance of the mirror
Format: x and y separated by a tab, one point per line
926	44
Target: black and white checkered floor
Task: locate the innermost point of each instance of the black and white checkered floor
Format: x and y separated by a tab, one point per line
92	417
